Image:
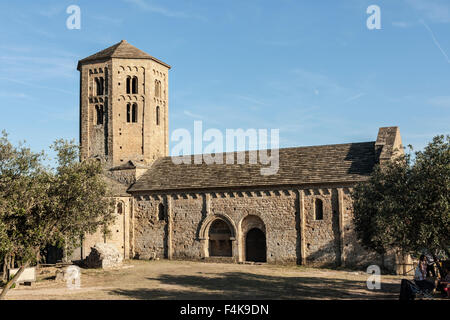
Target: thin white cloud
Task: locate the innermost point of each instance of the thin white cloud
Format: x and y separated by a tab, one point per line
251	100
50	12
401	24
31	27
436	42
108	20
316	82
355	97
150	7
38	67
14	95
435	10
37	86
279	43
192	115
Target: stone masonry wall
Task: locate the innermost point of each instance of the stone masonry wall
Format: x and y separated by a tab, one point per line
183	234
119	231
145	140
150	233
188	213
116	140
322	236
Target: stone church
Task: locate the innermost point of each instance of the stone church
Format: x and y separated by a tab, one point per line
225	212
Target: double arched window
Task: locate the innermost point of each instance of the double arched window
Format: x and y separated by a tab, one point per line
132	85
132	112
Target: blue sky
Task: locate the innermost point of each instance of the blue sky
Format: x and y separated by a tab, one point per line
310	68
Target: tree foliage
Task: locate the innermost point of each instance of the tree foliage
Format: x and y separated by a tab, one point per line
405	204
41	205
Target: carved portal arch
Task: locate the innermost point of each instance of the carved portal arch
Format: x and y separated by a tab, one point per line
204	230
218	235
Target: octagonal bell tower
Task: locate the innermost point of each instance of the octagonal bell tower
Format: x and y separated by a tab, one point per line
124	106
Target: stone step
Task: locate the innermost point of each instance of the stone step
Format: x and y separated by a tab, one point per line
220	259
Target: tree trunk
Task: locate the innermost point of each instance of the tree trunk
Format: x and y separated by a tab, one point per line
12	281
5	267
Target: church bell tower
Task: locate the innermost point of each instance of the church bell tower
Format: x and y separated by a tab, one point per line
124	106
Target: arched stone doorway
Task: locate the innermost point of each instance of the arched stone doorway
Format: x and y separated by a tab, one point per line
218	235
219	239
255	246
253	239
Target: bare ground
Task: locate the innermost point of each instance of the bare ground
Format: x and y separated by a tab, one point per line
199	280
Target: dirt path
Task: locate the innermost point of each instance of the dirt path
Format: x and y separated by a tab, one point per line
199	280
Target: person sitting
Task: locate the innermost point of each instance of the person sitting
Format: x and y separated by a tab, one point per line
420	276
445	282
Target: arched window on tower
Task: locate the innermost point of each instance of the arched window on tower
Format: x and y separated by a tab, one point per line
128	112
99	114
99	83
134	85
157	116
319	209
106	81
128	84
157	88
161	213
96	86
134	113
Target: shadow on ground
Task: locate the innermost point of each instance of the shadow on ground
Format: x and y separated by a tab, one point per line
238	285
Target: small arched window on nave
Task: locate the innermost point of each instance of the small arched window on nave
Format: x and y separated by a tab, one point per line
134	85
120	208
318	209
161	213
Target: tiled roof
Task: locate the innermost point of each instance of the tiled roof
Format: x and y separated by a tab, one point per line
338	163
120	50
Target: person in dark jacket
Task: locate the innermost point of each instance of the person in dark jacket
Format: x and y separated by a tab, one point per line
430	265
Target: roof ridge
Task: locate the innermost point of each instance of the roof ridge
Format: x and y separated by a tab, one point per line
120	50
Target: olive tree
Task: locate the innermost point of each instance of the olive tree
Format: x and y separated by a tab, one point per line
40	205
405	204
